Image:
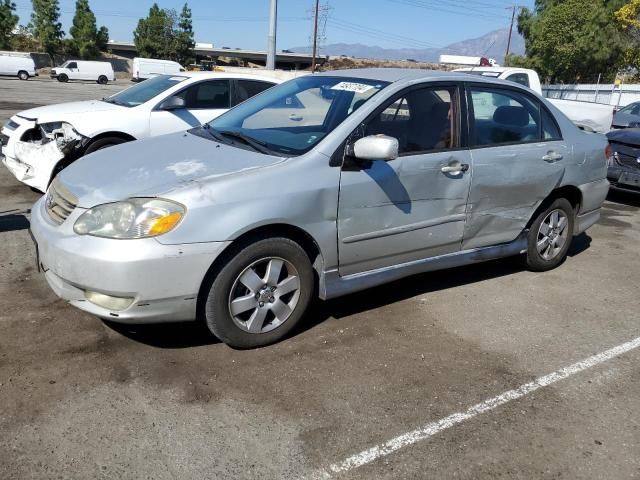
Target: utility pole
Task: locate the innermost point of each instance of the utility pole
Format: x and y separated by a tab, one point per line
271	50
315	37
513	16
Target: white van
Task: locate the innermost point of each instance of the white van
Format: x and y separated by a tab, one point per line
17	65
144	68
100	72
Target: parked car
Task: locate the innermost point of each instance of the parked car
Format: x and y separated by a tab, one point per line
39	143
240	221
624	163
628	116
587	115
100	72
17	66
144	68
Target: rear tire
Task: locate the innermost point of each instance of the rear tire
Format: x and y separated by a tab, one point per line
550	236
103	143
102	80
22	75
260	294
63	78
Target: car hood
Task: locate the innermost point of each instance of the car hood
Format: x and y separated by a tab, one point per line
630	136
155	166
62	111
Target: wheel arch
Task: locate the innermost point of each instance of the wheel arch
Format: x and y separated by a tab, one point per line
570	192
292	232
124	136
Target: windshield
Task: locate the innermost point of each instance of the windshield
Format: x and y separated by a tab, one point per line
145	91
293	117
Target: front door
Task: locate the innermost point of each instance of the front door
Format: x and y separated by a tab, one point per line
413	207
203	102
518	158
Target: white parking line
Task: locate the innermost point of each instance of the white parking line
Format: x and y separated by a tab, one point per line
433	428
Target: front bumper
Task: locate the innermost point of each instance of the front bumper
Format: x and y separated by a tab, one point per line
163	280
614	172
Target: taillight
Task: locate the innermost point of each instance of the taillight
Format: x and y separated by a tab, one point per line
608	154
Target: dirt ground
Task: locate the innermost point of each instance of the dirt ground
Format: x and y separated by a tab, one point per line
81	398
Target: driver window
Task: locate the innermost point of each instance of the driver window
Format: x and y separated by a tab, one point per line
72	65
422	120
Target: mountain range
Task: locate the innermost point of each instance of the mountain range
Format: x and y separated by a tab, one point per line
491	45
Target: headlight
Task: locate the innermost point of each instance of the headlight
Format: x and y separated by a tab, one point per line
132	218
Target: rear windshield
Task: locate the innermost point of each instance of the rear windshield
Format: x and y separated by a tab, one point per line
145	91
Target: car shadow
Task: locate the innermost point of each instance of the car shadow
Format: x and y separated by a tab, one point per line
166	335
196	334
626	198
13	222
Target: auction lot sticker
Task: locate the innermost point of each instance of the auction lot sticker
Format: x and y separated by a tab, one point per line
352	87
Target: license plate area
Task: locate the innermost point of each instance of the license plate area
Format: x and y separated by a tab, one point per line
632	179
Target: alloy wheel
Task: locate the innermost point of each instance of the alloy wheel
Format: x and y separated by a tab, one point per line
264	295
552	234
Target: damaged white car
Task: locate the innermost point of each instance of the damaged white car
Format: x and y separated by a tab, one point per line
37	144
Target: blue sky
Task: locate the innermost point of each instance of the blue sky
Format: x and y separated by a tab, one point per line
243	23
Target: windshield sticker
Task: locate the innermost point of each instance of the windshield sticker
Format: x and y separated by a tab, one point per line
352	87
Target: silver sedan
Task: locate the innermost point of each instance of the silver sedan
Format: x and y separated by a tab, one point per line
327	184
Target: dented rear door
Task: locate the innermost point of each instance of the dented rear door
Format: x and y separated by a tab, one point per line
511	176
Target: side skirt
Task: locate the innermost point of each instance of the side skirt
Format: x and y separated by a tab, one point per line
333	285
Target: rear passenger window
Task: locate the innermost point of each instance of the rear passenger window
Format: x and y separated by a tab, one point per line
506	116
248	88
422	120
210	95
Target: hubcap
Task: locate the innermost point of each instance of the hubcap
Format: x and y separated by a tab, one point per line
264	295
552	234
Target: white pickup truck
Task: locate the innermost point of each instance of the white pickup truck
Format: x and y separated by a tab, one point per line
586	115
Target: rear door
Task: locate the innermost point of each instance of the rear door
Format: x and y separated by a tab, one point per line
410	208
203	101
518	158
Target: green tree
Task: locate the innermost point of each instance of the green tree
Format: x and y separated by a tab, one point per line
102	38
628	18
567	40
154	35
184	37
8	21
84	30
45	24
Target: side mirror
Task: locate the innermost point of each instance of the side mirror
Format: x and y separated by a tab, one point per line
172	103
376	147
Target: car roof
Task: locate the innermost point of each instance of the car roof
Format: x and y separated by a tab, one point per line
393	75
214	75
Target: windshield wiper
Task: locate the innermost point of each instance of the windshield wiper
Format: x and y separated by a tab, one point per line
111	100
257	145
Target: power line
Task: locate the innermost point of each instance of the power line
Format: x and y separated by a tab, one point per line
464	12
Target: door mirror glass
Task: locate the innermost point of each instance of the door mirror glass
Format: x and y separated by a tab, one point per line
173	103
376	147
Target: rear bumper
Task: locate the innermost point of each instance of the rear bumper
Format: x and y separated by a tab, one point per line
593	196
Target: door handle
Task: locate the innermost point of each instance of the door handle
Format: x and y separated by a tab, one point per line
455	168
295	117
552	156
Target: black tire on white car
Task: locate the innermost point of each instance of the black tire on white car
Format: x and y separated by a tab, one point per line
260	294
63	78
102	80
103	143
550	236
22	75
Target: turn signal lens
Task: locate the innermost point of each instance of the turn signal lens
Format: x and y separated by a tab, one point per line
164	224
608	154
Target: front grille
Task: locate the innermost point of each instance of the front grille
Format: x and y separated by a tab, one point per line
59	202
627	160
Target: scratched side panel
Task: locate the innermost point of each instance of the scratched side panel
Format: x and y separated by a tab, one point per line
508	184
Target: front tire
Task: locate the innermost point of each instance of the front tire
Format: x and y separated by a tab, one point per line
103	143
22	75
550	236
62	78
260	294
